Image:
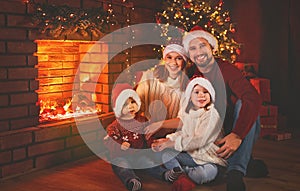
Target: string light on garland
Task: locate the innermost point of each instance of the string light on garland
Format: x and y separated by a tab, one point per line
209	14
62	20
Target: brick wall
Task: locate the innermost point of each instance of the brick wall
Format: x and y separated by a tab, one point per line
36	148
26	145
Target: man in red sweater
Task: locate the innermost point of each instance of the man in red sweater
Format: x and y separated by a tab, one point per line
237	101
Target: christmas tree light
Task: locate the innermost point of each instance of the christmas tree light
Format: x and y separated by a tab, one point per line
209	14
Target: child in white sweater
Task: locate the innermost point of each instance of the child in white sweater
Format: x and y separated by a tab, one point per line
193	145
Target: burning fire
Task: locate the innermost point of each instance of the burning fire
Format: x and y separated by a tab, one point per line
66	108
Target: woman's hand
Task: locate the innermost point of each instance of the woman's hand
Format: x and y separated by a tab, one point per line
152	129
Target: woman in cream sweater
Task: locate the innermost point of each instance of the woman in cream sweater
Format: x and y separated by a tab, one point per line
161	89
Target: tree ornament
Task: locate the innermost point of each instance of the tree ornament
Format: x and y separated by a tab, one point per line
187	5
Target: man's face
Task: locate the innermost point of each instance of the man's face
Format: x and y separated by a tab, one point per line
200	52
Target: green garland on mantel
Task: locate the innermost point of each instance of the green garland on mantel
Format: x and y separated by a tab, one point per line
62	20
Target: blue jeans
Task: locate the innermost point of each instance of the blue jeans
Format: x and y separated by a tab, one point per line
240	159
122	167
198	173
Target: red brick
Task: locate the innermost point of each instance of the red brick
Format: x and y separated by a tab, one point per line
12	34
17	168
52	159
89	137
52	133
2	47
13	6
115	68
23	98
107	119
46	147
4	126
81	152
32	60
86	126
34	110
19	154
15	140
56	73
13	86
106	88
3	74
12	61
24	122
101	98
34	85
3	100
19	21
90	4
13	112
5	157
2	20
22	73
106	108
21	47
72	3
74	141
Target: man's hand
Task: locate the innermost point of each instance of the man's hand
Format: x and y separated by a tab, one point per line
228	145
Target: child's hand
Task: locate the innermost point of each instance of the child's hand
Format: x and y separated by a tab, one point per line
125	146
158	144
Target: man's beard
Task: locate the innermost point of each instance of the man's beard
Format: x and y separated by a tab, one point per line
204	63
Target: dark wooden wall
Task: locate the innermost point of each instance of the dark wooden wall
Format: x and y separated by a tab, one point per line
269	31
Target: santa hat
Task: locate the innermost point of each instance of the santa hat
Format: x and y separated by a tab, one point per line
198	32
120	93
175	48
202	82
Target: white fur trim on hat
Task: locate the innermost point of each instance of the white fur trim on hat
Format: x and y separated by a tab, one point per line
122	98
175	48
199	34
202	82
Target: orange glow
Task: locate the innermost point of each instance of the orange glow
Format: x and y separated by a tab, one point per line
59	62
68	108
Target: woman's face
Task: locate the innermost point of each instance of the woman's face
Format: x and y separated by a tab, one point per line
200	97
174	63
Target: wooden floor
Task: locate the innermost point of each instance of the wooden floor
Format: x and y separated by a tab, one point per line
93	174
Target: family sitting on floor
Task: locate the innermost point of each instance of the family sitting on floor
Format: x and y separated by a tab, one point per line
184	123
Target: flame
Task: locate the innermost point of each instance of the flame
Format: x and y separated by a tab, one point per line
64	108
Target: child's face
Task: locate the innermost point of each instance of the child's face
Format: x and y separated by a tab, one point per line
130	108
174	63
200	97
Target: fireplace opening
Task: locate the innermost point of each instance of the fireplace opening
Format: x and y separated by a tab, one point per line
69	81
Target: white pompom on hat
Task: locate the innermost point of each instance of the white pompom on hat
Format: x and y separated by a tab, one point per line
120	93
198	32
202	82
175	48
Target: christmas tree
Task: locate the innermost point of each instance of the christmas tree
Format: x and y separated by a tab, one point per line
209	15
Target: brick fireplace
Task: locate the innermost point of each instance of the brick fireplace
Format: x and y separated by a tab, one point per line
35	67
65	71
73	78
